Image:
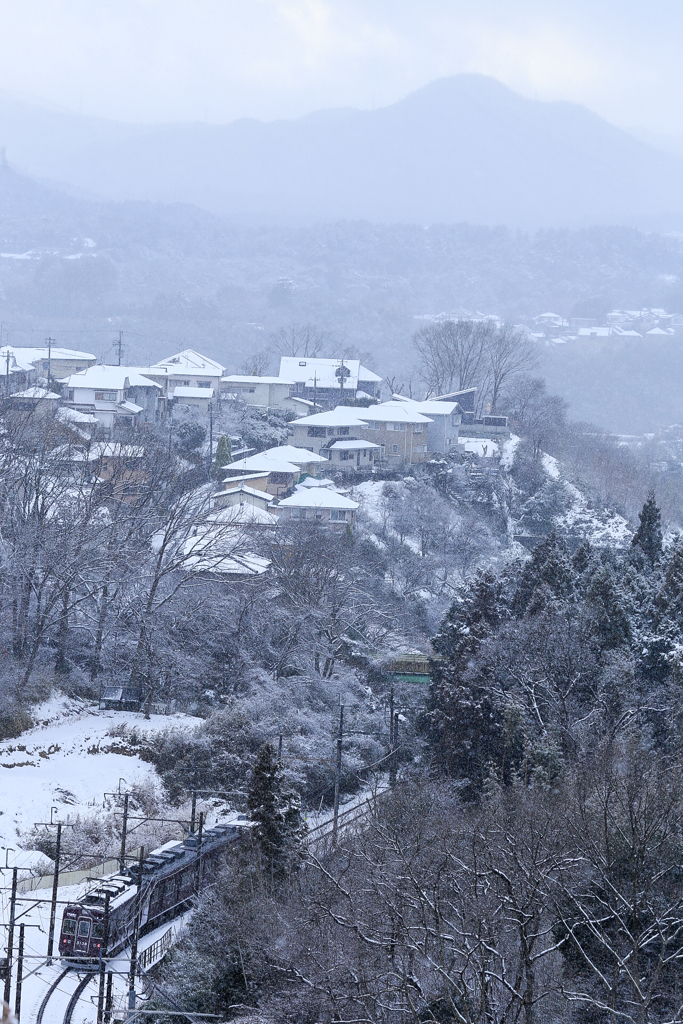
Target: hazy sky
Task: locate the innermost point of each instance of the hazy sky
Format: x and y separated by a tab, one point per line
147	60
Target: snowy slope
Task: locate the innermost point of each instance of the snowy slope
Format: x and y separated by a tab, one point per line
67	762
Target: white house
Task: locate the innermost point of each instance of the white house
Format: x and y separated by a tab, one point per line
317	504
200	398
114	394
261	392
445	417
349	456
187	369
329	379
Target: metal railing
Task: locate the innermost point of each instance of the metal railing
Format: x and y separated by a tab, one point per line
155	952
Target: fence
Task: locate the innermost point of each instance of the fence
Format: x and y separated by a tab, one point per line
72	877
155	952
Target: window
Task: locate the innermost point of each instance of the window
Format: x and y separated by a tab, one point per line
98	930
69	926
302	362
316	431
318	513
418	428
207	384
342	430
105	396
297	513
394	449
71	394
345	456
372	425
183	383
396	426
83	928
338	515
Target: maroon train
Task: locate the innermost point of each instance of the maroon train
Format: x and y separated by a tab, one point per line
171	876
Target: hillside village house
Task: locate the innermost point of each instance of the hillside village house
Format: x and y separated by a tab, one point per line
327	381
117	468
248	490
262	392
116	395
317	504
27	364
347	456
317	432
285	465
187	369
399	432
445	417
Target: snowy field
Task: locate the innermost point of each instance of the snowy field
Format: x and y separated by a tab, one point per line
66	762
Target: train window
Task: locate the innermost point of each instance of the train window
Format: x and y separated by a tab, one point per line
98	930
83	928
187	878
69	926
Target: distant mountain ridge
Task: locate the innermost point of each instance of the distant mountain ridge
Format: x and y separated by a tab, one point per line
460	149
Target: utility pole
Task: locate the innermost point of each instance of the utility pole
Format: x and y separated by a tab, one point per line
315	391
120	345
109	1001
134	943
103	963
341	381
7	372
122	853
10	936
210	435
49	360
394	754
55	886
198	869
20	971
193	815
337	774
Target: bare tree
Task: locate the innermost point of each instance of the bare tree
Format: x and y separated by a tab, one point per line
453	354
305	340
508	354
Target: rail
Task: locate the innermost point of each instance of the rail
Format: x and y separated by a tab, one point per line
344	819
155	952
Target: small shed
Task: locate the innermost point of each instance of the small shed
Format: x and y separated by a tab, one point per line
121	698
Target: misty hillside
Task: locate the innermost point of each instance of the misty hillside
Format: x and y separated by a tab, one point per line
170	276
460	149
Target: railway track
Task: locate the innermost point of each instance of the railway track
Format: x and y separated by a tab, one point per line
53	1001
345	819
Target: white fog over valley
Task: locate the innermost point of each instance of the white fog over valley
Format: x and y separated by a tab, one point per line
341	512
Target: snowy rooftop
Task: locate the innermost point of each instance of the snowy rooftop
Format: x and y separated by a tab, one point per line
429	407
189	361
343	415
393	412
348	445
325	373
36	393
113	378
264	463
288	453
245	515
318	497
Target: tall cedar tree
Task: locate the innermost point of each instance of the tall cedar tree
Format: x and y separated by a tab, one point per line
279	829
223	456
465	728
648	536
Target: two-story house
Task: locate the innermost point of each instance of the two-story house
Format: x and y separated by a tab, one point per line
187	369
115	395
329	381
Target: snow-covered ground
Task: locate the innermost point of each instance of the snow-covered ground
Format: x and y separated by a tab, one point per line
67	762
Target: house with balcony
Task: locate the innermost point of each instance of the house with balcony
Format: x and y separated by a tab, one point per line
115	395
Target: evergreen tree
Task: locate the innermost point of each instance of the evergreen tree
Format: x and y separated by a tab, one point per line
222	458
279	829
548	574
466	731
648	536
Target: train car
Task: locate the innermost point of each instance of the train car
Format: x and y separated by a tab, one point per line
171	877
